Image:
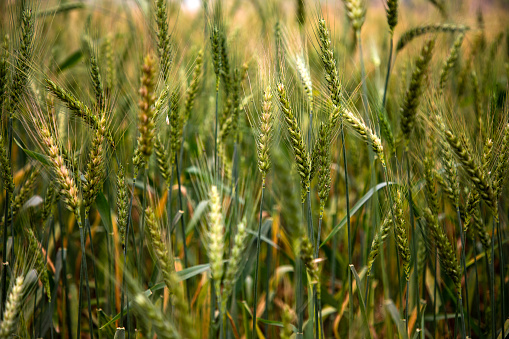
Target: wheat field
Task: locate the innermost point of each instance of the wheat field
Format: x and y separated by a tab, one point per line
254	169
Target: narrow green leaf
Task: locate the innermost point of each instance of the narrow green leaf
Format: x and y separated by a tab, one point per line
70	61
361	299
400	323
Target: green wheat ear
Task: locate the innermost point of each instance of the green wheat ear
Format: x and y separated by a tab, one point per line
40	262
215	237
122	204
12	309
263	144
146	112
392	14
414	91
5	167
413	33
300	152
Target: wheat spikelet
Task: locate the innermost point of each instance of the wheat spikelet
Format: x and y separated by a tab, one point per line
122	204
163	328
161	249
216	53
193	88
392	14
232	270
413	93
356	12
65	180
49	200
305	78
323	166
5	168
146	110
78	108
445	250
215	237
163	37
450	184
386	131
36	249
500	175
94	175
111	74
306	254
20	77
329	63
366	133
299	148
95	74
378	240
287	317
163	160
401	235
473	224
22	197
434	28
12	309
225	63
263	142
451	60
